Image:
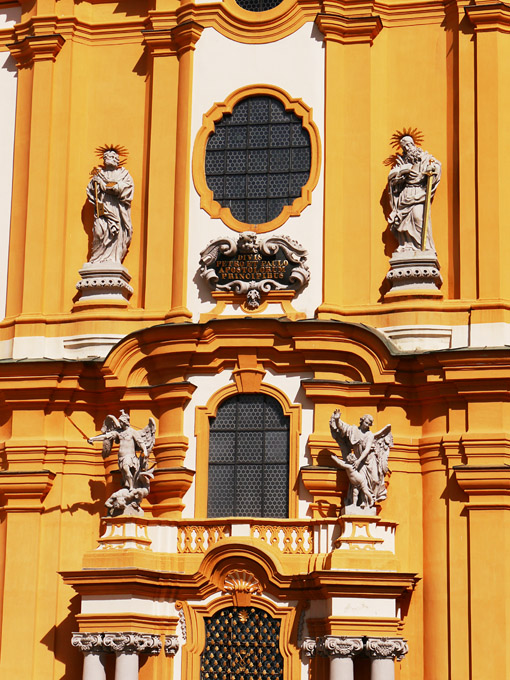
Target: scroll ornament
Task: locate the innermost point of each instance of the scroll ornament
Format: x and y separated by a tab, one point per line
251	267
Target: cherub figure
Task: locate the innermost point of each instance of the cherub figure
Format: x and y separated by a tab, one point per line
135	475
364	458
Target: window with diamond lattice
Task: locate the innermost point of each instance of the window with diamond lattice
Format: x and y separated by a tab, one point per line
258	159
241	644
249	458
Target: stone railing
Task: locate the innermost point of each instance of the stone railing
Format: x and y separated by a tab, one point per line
291	537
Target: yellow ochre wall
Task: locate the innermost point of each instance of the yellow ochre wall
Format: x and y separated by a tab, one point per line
91	73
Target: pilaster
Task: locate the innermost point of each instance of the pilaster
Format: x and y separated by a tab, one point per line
348	42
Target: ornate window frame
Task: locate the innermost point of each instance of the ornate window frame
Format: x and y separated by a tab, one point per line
196	613
202	415
215	113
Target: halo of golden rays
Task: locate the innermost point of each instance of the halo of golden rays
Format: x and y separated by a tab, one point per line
121	151
416	134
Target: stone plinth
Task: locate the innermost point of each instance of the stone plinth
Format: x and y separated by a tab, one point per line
104	280
414	271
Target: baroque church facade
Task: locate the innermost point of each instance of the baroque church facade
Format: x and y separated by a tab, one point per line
230	232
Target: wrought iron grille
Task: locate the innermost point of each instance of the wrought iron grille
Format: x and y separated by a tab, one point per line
258	159
249	458
241	644
258	5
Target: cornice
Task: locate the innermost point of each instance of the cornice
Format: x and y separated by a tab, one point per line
36	48
23	491
489	17
349	30
485	482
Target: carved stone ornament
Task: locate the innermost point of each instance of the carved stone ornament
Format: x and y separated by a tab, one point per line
339	645
309	646
88	642
171	645
412	183
132	643
365	461
136	475
386	648
242	585
250	266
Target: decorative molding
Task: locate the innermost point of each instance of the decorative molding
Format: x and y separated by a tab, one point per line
132	643
88	642
34	48
171	645
339	645
215	113
386	648
349	30
182	622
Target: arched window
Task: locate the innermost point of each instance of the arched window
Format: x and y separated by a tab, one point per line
249	458
241	644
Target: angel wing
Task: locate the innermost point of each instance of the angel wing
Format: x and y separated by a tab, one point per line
111	424
148	435
383	441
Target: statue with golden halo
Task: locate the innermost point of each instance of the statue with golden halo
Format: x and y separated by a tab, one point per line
110	191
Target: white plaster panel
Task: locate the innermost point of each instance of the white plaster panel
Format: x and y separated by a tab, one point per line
363	606
78	347
8	85
207	385
121	604
222	66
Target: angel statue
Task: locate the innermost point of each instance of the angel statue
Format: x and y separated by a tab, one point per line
364	459
135	474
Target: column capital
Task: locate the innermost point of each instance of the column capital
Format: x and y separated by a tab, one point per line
309	646
132	643
171	645
88	642
348	30
385	648
34	48
339	645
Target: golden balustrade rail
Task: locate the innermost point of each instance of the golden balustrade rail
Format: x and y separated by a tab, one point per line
291	537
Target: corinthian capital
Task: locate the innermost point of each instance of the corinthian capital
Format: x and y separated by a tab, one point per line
339	645
132	643
385	648
171	645
309	646
88	642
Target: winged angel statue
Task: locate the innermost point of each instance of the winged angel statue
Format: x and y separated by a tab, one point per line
135	474
364	459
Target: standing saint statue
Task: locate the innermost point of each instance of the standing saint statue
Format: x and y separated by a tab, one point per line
135	474
412	182
364	459
110	191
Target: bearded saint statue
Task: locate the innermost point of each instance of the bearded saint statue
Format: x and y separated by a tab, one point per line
110	191
407	182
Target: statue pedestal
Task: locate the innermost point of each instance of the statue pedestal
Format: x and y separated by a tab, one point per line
414	272
104	281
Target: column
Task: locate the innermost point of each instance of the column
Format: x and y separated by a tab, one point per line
127	647
91	644
383	652
340	650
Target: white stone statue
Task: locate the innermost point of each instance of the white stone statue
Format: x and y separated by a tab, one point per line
110	191
412	182
135	475
364	459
